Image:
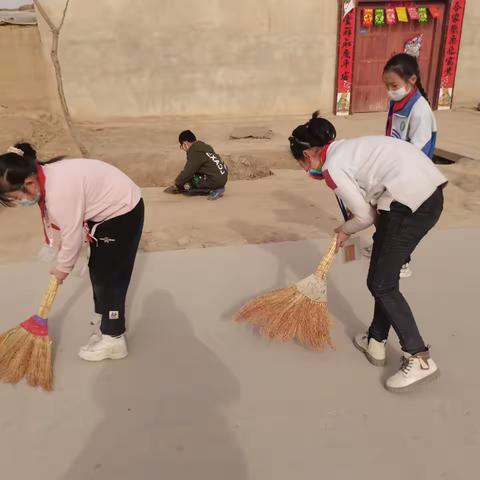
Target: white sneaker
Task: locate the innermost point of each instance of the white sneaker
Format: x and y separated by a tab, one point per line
405	271
374	351
106	347
415	370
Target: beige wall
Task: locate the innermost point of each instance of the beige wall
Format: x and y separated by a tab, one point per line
467	91
25	79
197	57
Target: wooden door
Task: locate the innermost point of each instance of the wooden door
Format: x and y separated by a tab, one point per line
375	45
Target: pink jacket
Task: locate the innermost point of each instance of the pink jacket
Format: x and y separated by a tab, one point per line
81	190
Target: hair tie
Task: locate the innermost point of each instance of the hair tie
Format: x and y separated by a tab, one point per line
16	150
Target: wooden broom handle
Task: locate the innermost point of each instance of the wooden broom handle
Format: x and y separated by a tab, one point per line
327	260
48	298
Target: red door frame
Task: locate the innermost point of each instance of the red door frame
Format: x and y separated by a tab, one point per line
451	37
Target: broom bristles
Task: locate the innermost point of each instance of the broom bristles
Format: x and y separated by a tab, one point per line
23	354
287	314
15	355
40	370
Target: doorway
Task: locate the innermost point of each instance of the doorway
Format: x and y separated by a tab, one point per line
376	44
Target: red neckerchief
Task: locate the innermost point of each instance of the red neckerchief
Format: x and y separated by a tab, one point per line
396	107
324	151
42	203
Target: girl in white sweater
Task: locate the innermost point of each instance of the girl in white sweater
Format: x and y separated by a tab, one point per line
393	184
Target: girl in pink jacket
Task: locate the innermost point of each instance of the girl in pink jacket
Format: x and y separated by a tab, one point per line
83	200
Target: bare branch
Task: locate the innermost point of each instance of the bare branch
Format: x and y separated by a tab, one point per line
58	71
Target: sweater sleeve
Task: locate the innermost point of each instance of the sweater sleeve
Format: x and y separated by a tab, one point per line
69	216
364	214
194	162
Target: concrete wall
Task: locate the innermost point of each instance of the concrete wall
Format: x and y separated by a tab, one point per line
197	57
467	91
26	82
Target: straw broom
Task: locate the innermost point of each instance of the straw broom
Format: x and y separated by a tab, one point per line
26	350
297	312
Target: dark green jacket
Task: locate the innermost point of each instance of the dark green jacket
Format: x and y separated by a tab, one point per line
203	161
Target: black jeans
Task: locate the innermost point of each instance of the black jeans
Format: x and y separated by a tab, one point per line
398	232
112	257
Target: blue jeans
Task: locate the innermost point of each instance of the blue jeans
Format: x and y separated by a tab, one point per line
397	234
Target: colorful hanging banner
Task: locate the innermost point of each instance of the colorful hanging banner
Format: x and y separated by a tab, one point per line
367	17
413	13
346	43
450	56
422	15
390	16
434	12
379	17
402	14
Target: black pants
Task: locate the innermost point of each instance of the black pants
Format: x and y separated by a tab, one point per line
112	258
203	185
398	232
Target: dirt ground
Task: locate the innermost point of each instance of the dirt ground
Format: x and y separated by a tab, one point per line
268	199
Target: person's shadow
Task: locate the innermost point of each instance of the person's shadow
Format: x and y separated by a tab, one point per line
162	406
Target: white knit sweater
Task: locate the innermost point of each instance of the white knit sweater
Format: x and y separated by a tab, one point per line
368	173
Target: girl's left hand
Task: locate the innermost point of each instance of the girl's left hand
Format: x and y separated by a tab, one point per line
342	237
59	275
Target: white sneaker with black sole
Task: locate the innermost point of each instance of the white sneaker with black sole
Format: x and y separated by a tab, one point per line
374	351
105	347
415	370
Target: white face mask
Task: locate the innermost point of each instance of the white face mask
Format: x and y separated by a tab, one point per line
397	95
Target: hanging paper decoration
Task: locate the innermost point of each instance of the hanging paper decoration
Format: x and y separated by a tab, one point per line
402	14
413	13
346	43
367	18
379	17
450	56
434	12
422	15
413	46
348	6
390	15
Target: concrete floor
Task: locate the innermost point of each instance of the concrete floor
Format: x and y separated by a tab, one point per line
201	397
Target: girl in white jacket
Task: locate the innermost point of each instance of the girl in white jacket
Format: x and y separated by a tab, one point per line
410	116
391	183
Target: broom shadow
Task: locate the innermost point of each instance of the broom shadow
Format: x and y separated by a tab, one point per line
162	407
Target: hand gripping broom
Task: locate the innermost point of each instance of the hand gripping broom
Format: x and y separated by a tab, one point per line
26	350
297	312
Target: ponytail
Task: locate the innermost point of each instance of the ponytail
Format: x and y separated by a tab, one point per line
320	130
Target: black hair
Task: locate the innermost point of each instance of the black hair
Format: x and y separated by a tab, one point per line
16	168
406	65
317	132
187	136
